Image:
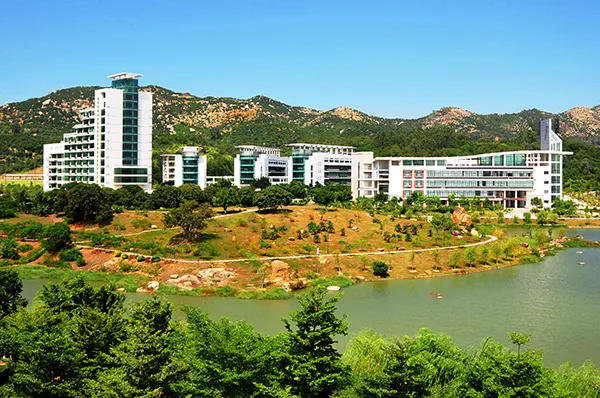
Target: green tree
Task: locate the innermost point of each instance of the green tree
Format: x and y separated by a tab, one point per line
145	363
166	197
454	259
273	197
247	196
313	367
225	358
261	183
484	255
57	237
537	202
84	203
9	249
436	254
527	217
226	197
471	256
191	217
380	268
11	288
296	188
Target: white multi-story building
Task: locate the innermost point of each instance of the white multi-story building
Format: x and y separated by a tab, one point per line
186	167
112	146
510	178
323	164
255	162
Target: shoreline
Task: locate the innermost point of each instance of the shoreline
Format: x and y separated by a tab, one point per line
130	280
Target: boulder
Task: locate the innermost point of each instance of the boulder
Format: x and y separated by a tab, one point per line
153	285
525	245
215	276
281	275
153	226
291	239
121	289
234	239
141	290
173	276
333	288
461	218
474	232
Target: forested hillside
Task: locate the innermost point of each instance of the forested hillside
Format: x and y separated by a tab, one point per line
219	124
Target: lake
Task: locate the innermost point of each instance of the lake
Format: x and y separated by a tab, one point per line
556	300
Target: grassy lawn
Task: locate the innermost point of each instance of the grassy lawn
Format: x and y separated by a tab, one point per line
27	183
128	281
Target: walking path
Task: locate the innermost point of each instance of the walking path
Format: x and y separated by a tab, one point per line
302	256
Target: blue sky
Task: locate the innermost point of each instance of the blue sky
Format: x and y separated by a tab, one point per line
386	58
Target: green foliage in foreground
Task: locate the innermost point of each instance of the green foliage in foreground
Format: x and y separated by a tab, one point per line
79	341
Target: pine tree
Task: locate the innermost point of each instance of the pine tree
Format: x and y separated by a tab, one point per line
314	367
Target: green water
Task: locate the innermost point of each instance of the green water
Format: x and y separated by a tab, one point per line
556	300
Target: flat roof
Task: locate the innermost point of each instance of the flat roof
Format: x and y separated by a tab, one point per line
256	146
321	145
125	75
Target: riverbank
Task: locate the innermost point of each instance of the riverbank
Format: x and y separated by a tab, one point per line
328	269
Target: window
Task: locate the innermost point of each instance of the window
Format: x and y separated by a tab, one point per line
407	173
406	162
395	163
406	183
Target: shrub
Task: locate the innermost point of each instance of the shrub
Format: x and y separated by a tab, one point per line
317	238
141	258
343	232
125	267
80	262
264	245
153	269
155	259
70	254
25	247
141	223
56	264
307	248
380	269
9	249
118	253
32	255
124	256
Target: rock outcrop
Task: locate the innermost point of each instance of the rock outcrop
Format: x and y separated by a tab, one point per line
461	218
281	275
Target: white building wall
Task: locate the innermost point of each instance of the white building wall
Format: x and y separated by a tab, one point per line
236	171
359	162
49	150
113	152
145	135
202	165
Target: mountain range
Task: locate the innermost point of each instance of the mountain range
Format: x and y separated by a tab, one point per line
222	123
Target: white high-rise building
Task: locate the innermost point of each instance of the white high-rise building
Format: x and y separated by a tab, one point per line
112	146
186	167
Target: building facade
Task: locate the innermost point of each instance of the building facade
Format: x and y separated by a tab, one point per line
510	178
323	164
256	162
112	146
186	167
